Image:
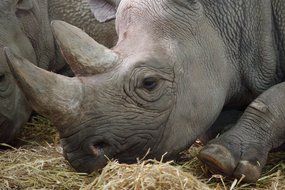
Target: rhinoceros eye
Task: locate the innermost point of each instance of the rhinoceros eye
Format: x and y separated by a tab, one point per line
150	83
2	77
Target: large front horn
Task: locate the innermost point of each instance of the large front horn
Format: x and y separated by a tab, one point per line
84	55
52	95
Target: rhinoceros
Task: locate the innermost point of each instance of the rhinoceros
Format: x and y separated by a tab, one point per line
25	28
176	65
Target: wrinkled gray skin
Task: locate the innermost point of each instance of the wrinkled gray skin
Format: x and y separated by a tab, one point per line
25	28
176	65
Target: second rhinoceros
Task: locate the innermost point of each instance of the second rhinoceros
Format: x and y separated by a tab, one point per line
25	28
176	65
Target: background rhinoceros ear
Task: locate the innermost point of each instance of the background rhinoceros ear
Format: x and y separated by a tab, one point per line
104	10
25	4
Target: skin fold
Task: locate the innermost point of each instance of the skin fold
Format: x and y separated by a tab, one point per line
25	29
176	65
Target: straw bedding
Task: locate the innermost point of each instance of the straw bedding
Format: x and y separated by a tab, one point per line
37	163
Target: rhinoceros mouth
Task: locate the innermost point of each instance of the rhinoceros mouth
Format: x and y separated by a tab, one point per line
6	130
88	155
93	153
90	148
86	164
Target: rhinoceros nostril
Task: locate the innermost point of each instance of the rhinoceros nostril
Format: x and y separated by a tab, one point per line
98	148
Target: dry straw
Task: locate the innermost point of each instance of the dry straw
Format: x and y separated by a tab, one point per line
38	164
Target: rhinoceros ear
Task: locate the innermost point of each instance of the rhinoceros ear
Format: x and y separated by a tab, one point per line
104	10
25	4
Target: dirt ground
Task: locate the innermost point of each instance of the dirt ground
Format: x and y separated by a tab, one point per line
37	163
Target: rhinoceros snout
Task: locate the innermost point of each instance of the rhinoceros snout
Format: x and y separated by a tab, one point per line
98	148
8	129
89	157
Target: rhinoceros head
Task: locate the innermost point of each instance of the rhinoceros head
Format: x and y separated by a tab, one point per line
161	86
14	110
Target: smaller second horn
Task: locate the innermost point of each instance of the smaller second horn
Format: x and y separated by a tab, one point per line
84	55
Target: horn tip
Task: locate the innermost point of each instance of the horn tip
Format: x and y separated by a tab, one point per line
9	54
54	22
7	50
59	23
60	28
12	60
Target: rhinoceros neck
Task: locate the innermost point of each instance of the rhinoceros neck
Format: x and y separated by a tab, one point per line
247	29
